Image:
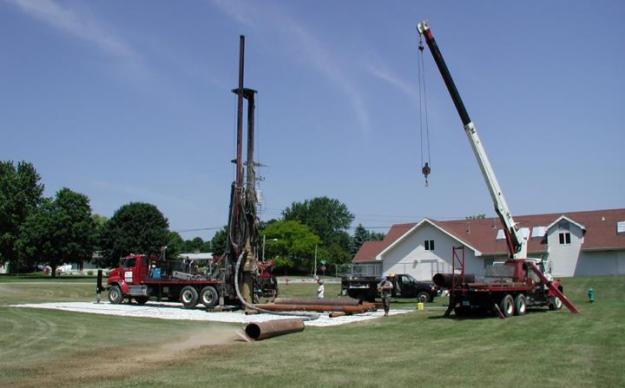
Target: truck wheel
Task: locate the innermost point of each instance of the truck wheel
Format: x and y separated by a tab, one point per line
555	303
188	297
141	299
115	295
209	296
423	297
507	305
520	305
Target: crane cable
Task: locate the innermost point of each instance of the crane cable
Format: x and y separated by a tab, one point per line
423	116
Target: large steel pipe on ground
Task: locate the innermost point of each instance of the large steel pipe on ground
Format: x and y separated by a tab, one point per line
358	309
444	280
262	330
316	301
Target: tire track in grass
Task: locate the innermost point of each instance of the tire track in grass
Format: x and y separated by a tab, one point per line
39	330
6	332
78	331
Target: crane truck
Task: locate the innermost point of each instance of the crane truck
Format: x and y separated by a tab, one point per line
519	282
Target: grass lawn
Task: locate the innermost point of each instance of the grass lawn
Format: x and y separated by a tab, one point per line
56	348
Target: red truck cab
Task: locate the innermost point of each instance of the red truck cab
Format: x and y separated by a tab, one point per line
140	277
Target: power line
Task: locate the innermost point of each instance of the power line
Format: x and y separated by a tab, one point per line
198	229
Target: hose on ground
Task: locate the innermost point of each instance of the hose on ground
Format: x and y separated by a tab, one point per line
305	316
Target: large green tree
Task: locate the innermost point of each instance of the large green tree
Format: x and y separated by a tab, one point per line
329	219
134	228
194	245
291	243
60	230
219	241
20	194
325	216
100	223
175	245
361	234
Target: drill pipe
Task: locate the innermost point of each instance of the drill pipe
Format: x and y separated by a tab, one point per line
444	280
325	302
262	330
358	309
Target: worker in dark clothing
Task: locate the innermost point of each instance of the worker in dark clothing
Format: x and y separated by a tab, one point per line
385	287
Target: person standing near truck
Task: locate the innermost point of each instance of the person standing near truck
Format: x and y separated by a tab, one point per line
385	287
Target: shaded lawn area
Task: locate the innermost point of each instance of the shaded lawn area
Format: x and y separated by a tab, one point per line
420	348
39	277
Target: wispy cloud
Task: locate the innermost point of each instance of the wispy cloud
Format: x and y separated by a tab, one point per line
302	41
383	73
238	11
78	25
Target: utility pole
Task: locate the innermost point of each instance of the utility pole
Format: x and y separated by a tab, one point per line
264	242
315	269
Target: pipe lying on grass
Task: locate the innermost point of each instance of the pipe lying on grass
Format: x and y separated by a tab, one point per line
316	301
358	309
263	330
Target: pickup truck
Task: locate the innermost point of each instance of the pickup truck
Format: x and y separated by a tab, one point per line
365	288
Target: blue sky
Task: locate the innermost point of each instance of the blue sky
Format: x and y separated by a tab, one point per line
130	101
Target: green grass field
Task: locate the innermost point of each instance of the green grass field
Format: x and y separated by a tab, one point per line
55	348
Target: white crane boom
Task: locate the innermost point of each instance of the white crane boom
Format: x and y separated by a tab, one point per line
517	243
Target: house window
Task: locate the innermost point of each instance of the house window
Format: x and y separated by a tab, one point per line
565	238
429	245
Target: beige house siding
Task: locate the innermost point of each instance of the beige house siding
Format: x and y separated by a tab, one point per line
410	256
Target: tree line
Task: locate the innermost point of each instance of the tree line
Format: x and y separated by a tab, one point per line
63	229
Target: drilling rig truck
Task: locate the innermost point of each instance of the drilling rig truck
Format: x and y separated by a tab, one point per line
239	278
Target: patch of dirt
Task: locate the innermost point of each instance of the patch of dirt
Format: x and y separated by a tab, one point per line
86	367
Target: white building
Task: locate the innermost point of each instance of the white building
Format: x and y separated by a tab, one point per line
577	244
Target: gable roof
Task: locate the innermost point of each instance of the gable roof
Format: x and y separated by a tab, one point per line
430	222
565	218
600	226
370	249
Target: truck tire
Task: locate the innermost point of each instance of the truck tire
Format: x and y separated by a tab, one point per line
209	296
424	297
555	303
188	297
115	295
507	305
520	305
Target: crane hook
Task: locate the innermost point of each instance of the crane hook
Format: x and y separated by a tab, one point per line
426	171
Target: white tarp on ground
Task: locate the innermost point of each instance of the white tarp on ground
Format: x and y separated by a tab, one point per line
174	311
